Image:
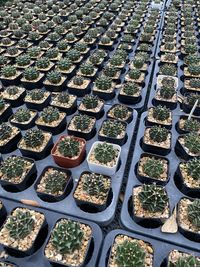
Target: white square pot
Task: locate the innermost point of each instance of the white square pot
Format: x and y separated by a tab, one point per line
102	169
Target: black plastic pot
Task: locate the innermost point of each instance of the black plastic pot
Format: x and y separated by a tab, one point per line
79	92
8	82
25	126
17	102
118	141
55	88
11	145
104	95
52	198
180	150
3	214
69	110
168	104
27	181
38	106
36	154
128	99
91	113
53	129
6	114
29	85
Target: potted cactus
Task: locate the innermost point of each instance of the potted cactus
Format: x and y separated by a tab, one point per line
9	136
153	169
32	78
43	64
179	258
135	75
87	70
37	99
53	54
112	72
35	144
44	45
130	93
113	131
169	58
166	95
127	251
168	70
75	56
157	140
54	81
35	52
9	75
53	184
64	102
65	66
5	110
63	46
14	95
74	250
185	125
92	106
120	112
69	151
82	125
17	173
51	120
160	115
192	70
23	61
188	145
188	218
104	158
189	101
104	88
79	85
191	85
23	118
26	228
150	205
92	191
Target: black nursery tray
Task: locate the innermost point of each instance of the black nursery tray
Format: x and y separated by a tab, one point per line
68	204
173	192
161	249
38	258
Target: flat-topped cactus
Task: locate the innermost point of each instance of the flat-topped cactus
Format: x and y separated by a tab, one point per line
50	114
168	69
22	115
33	138
69	147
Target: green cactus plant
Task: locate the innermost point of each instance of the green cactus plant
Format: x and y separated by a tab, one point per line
63	97
120	112
191	59
87	69
161	113
62	238
20	225
43	63
69	147
167	92
153	198
90	101
104	153
3	60
12	167
22	115
55	182
170	57
81	122
130	88
158	134
168	82
78	80
33	138
54	77
62	45
8	71
194	69
2	104
130	253
12	90
64	64
52	53
193	213
112	128
5	131
168	69
12	51
50	114
110	71
138	62
189	261
194	83
134	74
23	60
192	125
103	83
36	94
153	168
192	142
193	168
192	98
31	74
93	184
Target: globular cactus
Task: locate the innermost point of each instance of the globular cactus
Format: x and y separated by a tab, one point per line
93	184
53	36
44	44
90	101
5	131
167	92
110	71
193	213
54	77
120	112
194	69
52	53
62	45
95	59
192	142
73	55
50	114
153	198
22	115
33	36
161	113
158	134
8	71
23	60
34	51
36	94
191	59
192	125
63	97
69	147
130	253
116	60
64	64
87	69
12	90
113	128
192	98
12	167
189	261
33	138
153	168
170	57
55	182
194	83
78	80
134	74
168	82
193	168
20	225
169	46
131	88
12	51
103	83
168	69
67	236
31	74
104	153
138	62
82	122
43	63
3	60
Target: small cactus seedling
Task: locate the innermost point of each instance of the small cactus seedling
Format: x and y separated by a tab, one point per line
63	97
138	62
34	52
12	167
55	182
90	101
22	115
153	168
93	184
52	53
189	261
78	80
193	212
33	138
54	77
112	128
130	253
50	114
158	134
110	71
192	125
168	69
43	63
12	90
194	83
5	131
104	153
82	122
191	59
134	74
87	69
31	74
116	61
20	225
193	168
8	71
161	113
64	64
192	98
192	142
103	83
36	94
194	69
153	198
170	57
120	112
67	236
167	92
69	147
168	82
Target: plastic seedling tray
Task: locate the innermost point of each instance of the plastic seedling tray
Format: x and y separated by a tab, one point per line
173	192
68	204
161	249
38	258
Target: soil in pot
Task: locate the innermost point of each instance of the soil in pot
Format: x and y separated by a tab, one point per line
176	258
188	145
23	232
128	251
92	192
150	205
7	264
14	95
79	86
64	102
37	99
23	118
65	251
82	126
121	113
159	115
